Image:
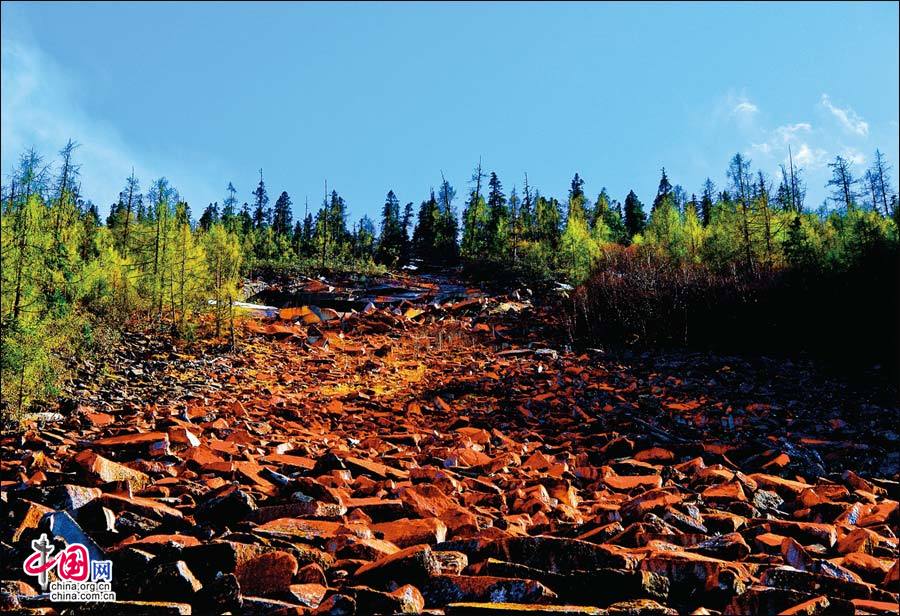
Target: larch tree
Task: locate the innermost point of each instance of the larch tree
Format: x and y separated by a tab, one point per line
742	183
843	183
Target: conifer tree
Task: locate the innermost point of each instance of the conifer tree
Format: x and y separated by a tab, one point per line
262	215
635	218
390	242
498	219
425	233
282	216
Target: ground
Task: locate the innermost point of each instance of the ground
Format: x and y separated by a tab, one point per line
424	446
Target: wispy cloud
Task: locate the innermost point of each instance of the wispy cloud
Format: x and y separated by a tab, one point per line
791	132
854	156
848	118
795	137
810	158
41	107
745	108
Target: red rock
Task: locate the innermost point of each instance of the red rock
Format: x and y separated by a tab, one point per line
804	532
785	488
98	420
381	471
307	595
630	482
414	564
866	606
290	461
727	492
146	507
410	598
310	529
29	518
102	470
175	540
406	532
810	607
864	540
183	436
655	454
267	573
137	439
871	569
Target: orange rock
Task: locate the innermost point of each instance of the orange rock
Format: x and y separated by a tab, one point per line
814	606
267	573
726	492
102	470
406	532
785	488
630	482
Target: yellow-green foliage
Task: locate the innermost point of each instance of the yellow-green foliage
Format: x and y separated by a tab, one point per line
66	280
579	250
223	261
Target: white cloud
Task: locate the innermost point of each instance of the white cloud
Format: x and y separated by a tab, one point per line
854	156
848	118
40	107
811	158
781	138
745	108
790	132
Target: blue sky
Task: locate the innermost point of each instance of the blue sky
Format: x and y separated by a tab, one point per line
381	96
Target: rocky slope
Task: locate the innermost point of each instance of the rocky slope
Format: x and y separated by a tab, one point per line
450	455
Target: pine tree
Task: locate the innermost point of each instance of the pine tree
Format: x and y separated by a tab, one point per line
337	223
210	216
635	218
282	216
548	218
424	235
405	242
364	239
527	215
446	228
576	199
606	220
515	223
262	215
475	220
664	190
498	219
390	242
707	200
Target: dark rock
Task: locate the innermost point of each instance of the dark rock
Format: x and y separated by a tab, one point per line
413	565
225	507
443	589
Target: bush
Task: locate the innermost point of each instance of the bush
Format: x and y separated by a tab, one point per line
845	314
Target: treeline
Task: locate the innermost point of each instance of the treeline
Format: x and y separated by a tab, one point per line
752	223
751	269
69	282
69	279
